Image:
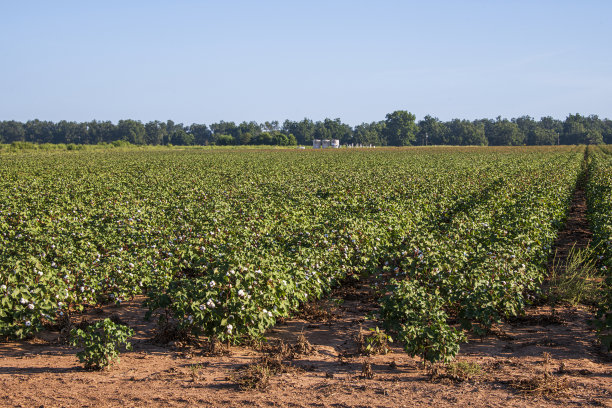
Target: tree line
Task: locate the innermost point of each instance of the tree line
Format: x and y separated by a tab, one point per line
399	128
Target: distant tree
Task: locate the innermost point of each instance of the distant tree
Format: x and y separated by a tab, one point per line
574	130
548	122
224	128
543	136
464	132
155	132
322	132
37	131
70	132
131	131
291	140
245	138
12	131
526	124
264	138
546	129
270	126
606	132
201	134
303	131
400	128
224	140
593	137
369	133
505	133
246	131
276	138
181	138
432	132
101	132
333	129
170	129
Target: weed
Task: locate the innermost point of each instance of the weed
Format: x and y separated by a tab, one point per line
576	279
375	342
257	376
544	384
302	346
195	371
168	331
214	347
315	312
463	370
366	370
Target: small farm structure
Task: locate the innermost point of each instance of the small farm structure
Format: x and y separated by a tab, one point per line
325	143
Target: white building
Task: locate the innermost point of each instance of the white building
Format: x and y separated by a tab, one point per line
324	144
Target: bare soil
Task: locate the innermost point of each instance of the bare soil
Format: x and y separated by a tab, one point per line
41	372
576	231
547	358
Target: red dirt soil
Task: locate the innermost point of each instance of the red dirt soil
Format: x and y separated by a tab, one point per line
40	372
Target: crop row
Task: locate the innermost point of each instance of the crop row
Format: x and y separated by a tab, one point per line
479	266
599	198
83	229
227	242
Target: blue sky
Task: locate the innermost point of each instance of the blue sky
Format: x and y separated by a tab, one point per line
206	61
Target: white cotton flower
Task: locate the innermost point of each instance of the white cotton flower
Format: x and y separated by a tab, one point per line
28	323
23	301
229	328
210	304
265	311
270	314
202	307
131	265
3	287
212	284
82	288
40	273
241	293
190	318
30	306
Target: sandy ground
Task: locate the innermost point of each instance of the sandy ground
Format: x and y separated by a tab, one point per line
41	372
